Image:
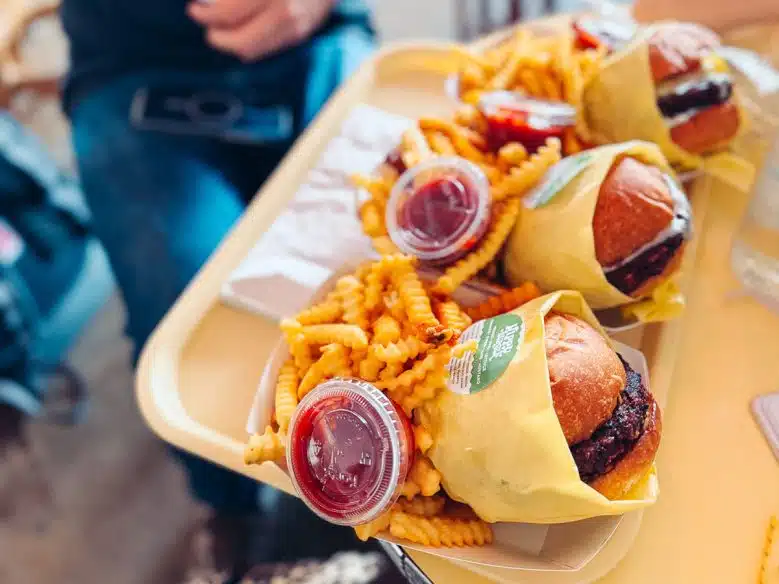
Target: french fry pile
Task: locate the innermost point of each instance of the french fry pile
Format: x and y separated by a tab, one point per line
548	67
512	172
382	324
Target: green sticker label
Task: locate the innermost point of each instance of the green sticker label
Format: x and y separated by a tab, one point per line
556	178
497	342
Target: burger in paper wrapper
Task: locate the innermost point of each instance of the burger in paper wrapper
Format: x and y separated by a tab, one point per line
545	423
669	87
610	222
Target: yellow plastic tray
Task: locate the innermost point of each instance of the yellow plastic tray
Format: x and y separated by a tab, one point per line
199	371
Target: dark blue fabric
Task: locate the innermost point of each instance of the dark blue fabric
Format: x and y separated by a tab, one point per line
46	210
110	36
161	203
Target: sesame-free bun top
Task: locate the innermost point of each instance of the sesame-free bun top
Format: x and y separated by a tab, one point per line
585	374
676	48
634	206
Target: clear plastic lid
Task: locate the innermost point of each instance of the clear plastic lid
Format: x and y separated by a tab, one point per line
349	451
439	209
538	113
513	117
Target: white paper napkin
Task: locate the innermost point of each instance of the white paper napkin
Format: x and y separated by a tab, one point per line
319	232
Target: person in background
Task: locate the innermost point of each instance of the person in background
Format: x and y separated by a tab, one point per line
162	199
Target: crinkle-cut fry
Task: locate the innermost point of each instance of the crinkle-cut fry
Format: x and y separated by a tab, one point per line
391	371
472	96
518	46
440	143
463	139
377	187
269	446
394	306
504	302
529	172
409	489
469	116
424	415
440	531
425	476
386	330
372	219
368	530
493	173
349	335
529	81
451	316
370	367
351	293
424	391
422	506
329	310
375	281
436	358
298	347
384	245
286	398
422	438
333	362
471	76
551	86
511	154
563	54
400	351
356	357
415	300
499	229
413	147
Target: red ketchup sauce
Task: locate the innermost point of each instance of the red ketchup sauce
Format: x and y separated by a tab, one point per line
350	451
512	117
439	210
592	33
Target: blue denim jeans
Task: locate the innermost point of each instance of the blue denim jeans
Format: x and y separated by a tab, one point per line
162	202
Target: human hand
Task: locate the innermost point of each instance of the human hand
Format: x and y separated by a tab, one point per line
252	29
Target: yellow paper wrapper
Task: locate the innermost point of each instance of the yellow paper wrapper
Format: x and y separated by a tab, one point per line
554	245
502	451
665	303
619	103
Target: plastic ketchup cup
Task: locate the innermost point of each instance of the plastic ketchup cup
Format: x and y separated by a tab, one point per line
513	117
350	449
439	209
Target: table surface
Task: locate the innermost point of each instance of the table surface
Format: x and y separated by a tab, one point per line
719	479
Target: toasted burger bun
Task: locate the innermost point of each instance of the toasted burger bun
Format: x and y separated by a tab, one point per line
678	51
585	374
678	48
587	379
709	129
635	207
